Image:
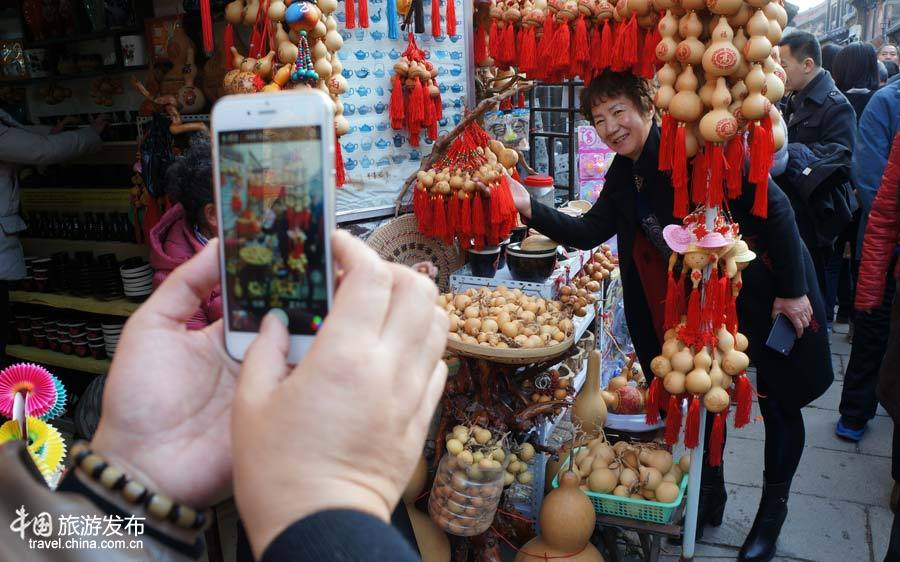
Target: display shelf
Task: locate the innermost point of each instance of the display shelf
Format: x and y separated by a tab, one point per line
117	307
78	37
53	358
46	247
102	71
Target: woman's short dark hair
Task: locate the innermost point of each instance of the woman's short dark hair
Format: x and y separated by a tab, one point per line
609	84
829	51
856	66
189	179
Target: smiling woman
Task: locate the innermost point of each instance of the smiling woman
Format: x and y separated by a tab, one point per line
635	204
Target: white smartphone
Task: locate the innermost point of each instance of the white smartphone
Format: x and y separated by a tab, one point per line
273	159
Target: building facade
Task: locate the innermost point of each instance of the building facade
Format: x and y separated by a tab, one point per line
843	21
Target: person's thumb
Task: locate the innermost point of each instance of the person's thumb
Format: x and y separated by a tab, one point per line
265	363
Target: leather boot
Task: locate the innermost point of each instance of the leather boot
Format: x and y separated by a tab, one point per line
711	507
761	542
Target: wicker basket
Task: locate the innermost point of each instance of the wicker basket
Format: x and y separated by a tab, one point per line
510	356
400	241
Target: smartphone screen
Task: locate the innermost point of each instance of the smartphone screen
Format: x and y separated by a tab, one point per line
272	199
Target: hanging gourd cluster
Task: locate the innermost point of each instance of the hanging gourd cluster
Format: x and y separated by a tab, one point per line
561	39
415	97
465	195
300	41
703	355
719	81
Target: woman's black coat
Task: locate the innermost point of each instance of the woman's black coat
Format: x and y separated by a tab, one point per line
783	268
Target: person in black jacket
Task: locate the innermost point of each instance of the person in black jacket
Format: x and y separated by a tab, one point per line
317	454
634	205
817	112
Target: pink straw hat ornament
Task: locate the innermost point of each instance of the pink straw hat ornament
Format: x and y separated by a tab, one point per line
32	380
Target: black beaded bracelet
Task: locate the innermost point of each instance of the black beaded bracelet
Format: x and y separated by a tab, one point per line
115	479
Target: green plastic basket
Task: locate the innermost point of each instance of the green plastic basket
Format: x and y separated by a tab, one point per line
644	510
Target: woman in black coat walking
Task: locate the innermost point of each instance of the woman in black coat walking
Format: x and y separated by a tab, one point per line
635	204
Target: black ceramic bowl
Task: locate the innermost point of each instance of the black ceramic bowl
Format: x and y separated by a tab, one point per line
484	262
518	234
530	266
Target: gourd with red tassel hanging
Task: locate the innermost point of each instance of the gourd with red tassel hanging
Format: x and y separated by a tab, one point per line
414	94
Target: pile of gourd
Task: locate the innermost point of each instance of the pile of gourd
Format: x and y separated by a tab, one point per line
640	471
505	319
492	162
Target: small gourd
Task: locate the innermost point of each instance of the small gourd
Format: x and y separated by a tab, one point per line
774	88
589	409
741	17
668	28
724	7
721	58
719	125
686	105
666	75
755	105
758	46
690	50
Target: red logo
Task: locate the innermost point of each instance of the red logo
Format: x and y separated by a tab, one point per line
724	58
662	50
683	52
726	128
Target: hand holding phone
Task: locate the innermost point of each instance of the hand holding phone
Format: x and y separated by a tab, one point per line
782	337
273	157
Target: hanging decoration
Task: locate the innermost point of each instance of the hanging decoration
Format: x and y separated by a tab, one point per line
415	97
465	195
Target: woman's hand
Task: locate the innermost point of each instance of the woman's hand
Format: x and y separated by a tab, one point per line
167	402
520	196
797	310
344	428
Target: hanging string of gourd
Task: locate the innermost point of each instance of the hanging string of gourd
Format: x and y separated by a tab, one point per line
415	97
465	195
294	44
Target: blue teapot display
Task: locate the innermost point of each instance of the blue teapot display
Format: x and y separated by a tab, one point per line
456	119
377	35
415	155
443	122
379	71
379	90
352	129
442	71
366	128
456	88
364	91
378	55
398	158
347	73
398	140
380	107
349	109
360	35
382	144
366	143
366	162
455	39
350	164
383	161
381	127
350	147
443	88
376	17
362	73
440	39
441	54
365	109
346	35
394	54
457	103
361	55
456	55
456	70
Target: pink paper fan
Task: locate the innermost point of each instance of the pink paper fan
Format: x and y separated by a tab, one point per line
713	240
678	238
35	380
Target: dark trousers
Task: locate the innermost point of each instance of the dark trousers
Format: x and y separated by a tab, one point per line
858	399
825	275
5	316
833	272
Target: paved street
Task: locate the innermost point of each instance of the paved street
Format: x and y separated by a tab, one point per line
839	501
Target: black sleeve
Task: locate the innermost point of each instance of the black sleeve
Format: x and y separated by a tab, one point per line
597	225
339	535
839	125
781	238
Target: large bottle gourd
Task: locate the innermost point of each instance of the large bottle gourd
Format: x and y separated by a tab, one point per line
589	410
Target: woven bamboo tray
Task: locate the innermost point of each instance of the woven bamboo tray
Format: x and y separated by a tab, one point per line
400	241
510	356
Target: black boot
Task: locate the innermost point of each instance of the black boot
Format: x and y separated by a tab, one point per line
711	507
761	542
893	552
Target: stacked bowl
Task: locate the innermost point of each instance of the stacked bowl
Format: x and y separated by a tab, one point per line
111	333
137	279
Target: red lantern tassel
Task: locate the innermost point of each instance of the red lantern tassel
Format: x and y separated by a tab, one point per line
582	43
494	41
435	17
717	168
666	141
652	408
350	14
699	178
422	210
680	293
649	62
465	219
761	199
761	153
527	50
561	40
478	221
673	420
634	46
508	45
673	315
717	439
453	215
607	45
734	152
521	104
544	48
364	14
340	174
227	44
679	173
711	307
206	25
743	398
451	18
692	425
731	320
440	218
596	50
692	328
416	108
396	110
481	45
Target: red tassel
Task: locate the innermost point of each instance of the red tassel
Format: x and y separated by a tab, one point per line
631	54
731	319
734	152
666	141
761	199
542	70
340	174
717	165
724	290
527	50
426	219
494	42
743	398
561	40
680	293
465	219
582	42
350	14
652	407
438	105
396	110
648	64
435	17
508	45
596	50
478	222
673	315
692	425
440	219
717	439
699	178
451	18
453	215
691	332
481	44
206	25
364	14
416	113
521	104
607	45
679	173
673	420
227	44
761	154
711	320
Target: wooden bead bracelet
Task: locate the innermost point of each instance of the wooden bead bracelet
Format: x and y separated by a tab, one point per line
115	479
